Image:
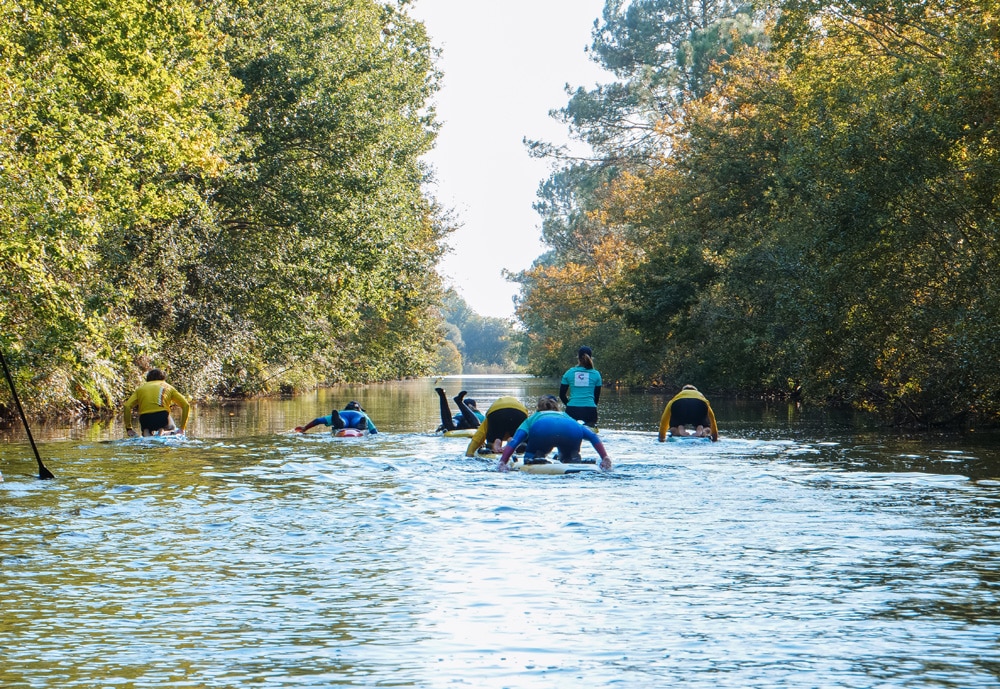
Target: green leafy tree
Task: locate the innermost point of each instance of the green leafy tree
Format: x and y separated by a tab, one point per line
115	115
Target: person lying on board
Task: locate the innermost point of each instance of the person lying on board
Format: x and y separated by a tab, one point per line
502	420
550	428
154	399
351	416
689	408
468	415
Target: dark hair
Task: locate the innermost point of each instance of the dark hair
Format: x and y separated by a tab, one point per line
353	406
469	402
155	374
585	354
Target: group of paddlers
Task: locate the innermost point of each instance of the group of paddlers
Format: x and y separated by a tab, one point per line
505	428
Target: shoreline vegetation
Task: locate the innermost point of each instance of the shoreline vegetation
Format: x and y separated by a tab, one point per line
785	200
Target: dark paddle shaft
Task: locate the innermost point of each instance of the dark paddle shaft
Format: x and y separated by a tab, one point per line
43	473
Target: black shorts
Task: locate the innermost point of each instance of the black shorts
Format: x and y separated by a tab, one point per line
586	414
689	412
502	424
155	421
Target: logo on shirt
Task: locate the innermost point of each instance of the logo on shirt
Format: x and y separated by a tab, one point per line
581	379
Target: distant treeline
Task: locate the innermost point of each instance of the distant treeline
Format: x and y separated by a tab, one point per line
226	189
794	198
477	344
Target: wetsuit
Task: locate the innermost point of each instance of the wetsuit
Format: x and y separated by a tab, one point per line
466	418
580	391
345	418
688	408
154	398
501	422
545	430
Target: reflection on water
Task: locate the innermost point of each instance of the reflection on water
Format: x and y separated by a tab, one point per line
795	553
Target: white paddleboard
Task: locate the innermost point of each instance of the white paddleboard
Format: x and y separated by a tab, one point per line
551	468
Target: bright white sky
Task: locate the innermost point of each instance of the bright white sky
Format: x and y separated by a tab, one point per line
505	65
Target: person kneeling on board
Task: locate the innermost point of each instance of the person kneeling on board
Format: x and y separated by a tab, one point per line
550	428
468	415
502	420
689	408
351	416
154	399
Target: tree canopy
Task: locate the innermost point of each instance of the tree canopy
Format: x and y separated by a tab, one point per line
814	209
229	190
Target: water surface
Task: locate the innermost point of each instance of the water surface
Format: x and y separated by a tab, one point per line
798	552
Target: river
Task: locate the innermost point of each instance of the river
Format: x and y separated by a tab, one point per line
803	550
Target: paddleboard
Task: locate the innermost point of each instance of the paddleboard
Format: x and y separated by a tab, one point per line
551	468
687	439
348	433
169	439
460	433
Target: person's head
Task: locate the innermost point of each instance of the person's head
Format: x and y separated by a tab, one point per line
548	403
353	406
155	374
586	356
689	387
470	403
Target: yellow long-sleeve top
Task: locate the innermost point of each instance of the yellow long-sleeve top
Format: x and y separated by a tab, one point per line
686	394
480	437
154	396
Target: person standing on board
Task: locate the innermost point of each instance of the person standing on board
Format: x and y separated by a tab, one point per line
468	415
550	428
689	408
154	399
502	420
352	416
580	388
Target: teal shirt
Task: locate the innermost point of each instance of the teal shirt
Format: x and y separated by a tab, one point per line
535	416
580	384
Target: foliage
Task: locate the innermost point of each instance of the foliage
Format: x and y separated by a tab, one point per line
818	213
230	190
595	215
484	343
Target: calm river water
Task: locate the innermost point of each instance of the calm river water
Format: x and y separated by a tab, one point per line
796	552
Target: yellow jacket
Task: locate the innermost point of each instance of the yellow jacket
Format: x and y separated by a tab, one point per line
686	394
480	437
154	396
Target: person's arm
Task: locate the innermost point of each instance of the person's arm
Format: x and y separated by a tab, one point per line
129	403
563	389
314	422
599	446
711	418
478	439
665	422
597	394
371	425
605	459
509	448
185	408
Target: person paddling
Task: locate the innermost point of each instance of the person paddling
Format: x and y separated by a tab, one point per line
502	420
688	408
154	399
550	428
351	416
468	415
